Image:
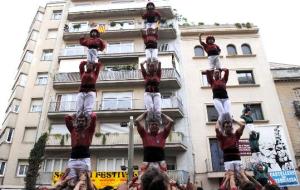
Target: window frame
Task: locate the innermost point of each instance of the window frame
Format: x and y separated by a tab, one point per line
53	30
31	105
246	72
124	162
249	48
41	77
120	47
10	135
234	48
4	167
199	47
261	110
22	163
207	113
61	160
116	98
56	14
45	55
25	58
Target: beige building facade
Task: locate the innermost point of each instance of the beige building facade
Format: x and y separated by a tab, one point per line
287	82
47	82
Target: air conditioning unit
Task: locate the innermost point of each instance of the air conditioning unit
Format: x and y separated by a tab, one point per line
297	108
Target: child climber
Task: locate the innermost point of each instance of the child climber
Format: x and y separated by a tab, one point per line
150	40
151	16
212	50
94	43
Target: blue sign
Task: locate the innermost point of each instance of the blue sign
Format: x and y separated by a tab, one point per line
285	178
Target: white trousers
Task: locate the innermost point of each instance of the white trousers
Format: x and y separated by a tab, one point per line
222	106
235	165
151	54
92	56
152	102
83	164
152	25
85	102
214	62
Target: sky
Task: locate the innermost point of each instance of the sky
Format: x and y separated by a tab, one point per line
278	22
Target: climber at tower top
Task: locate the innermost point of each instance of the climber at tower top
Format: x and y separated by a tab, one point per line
94	44
212	50
151	16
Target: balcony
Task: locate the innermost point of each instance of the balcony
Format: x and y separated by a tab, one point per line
170	79
114	141
180	176
109	108
80	53
166	31
117	10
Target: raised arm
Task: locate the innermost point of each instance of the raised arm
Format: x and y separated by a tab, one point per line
69	122
83	41
200	40
225	77
209	76
241	128
144	73
158	16
101	44
138	123
169	125
81	67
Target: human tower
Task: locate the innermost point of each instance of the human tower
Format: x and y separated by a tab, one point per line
153	126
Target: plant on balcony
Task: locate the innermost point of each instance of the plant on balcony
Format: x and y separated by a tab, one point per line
238	25
57	136
103	139
217	24
248	25
113	24
76	26
62	140
200	23
170	137
98	135
35	160
67	137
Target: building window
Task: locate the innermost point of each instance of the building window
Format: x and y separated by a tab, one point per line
28	56
2	168
74	49
59	129
120	47
47	55
199	52
22	80
41	79
13	107
52	34
64	102
10	134
56	15
111	164
212	113
22	168
55	165
231	50
117	101
36	105
245	77
297	93
34	35
246	49
204	80
39	16
257	113
29	134
113	128
216	153
164	47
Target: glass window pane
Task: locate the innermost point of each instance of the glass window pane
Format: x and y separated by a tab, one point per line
204	80
212	114
28	56
231	50
48	165
198	51
56	166
245	77
64	164
119	163
246	49
110	165
101	166
2	168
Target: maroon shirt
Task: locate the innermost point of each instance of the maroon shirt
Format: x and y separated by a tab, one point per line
151	16
93	43
150	40
211	49
218	86
88	80
158	140
151	82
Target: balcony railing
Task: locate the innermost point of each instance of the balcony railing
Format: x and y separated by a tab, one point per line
45	178
167	73
111	139
116	104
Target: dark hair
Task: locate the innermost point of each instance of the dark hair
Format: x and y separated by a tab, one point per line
225	118
248	186
154	180
271	187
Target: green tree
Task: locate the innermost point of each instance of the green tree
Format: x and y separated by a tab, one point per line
35	160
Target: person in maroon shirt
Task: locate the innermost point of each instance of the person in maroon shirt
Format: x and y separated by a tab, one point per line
152	96
154	142
218	86
229	143
150	39
94	44
81	139
212	50
87	92
151	16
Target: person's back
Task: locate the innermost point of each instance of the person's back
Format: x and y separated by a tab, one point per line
248	186
153	179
